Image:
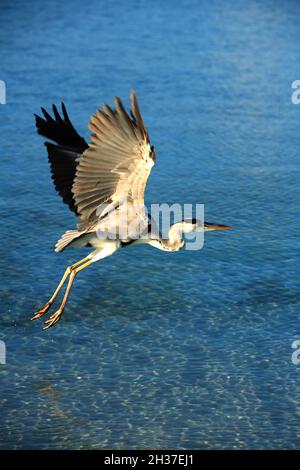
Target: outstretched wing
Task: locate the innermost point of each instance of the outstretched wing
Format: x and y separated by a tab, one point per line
117	162
63	156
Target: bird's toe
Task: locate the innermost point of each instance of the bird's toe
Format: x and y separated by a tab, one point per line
53	319
41	311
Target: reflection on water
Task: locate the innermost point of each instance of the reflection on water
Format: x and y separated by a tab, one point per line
156	350
49	391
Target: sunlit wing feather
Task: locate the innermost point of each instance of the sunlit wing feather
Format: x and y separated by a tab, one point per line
117	163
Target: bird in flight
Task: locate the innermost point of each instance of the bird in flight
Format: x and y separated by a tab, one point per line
97	180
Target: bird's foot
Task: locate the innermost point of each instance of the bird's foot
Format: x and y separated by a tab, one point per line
53	319
42	311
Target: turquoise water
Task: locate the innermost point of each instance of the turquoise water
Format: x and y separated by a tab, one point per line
190	350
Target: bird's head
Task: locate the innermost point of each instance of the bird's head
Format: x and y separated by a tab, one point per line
195	225
177	231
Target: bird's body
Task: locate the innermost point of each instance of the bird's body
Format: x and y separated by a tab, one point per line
104	182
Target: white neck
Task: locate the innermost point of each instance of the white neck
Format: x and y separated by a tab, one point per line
174	242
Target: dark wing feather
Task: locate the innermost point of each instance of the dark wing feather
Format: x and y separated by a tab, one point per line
63	163
65	156
60	130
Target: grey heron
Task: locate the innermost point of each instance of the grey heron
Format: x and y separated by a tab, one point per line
95	178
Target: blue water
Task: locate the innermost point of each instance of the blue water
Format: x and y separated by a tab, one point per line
190	350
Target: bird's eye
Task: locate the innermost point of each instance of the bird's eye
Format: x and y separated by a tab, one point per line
152	153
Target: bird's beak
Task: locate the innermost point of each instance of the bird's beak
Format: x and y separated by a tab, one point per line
209	226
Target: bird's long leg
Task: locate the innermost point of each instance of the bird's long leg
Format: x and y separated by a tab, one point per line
97	255
68	271
56	316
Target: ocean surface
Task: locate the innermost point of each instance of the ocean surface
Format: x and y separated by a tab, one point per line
188	350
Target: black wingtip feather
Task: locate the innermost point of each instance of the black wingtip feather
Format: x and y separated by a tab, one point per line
64	111
60	130
64	156
56	113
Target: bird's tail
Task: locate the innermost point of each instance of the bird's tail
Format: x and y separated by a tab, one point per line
67	239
